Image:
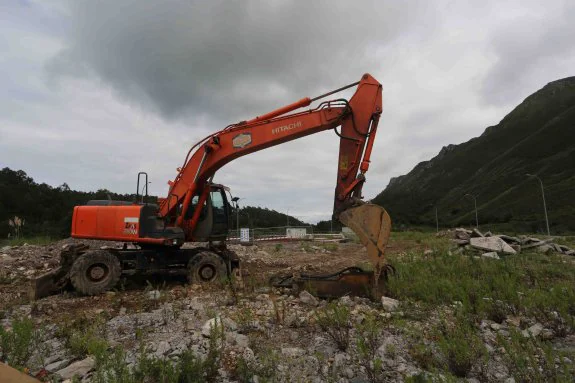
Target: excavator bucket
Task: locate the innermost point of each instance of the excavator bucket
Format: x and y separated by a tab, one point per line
372	225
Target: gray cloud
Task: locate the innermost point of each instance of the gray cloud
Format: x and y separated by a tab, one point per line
225	59
527	47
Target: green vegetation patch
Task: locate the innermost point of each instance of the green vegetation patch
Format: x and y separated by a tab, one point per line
536	285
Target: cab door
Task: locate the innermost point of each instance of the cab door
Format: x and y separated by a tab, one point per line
220	214
213	221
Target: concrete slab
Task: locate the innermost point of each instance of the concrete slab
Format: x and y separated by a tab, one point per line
492	244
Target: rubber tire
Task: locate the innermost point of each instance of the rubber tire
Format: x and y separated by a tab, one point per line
205	258
80	267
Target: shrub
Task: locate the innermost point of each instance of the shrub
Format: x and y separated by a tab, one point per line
330	246
460	346
17	344
334	319
369	337
264	367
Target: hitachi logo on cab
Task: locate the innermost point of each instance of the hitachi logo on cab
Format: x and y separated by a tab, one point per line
285	128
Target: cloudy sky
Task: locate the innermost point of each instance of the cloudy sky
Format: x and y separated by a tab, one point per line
91	92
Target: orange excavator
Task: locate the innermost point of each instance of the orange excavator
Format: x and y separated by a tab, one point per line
197	210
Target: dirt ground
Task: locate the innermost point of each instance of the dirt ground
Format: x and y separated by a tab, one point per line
20	264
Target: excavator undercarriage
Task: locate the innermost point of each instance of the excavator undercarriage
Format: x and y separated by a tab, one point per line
94	271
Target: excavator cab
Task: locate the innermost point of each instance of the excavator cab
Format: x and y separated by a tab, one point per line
215	216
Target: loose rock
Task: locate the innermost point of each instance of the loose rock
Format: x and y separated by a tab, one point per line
492	254
389	304
308	299
79	368
218	322
533	331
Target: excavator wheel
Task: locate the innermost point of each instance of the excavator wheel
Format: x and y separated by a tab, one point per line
206	267
95	272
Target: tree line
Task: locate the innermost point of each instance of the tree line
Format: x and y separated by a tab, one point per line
44	210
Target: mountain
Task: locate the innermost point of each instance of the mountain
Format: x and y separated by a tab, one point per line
537	137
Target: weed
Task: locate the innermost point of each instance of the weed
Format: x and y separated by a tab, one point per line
84	336
245	318
306	247
531	360
534	285
391	351
252	283
88	343
111	365
334	319
278	247
369	336
264	367
423	355
330	246
215	349
460	346
233	283
279	311
17	344
6	278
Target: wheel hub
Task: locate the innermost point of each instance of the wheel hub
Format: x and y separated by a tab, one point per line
207	272
97	272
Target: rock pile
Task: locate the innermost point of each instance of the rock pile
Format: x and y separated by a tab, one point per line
494	245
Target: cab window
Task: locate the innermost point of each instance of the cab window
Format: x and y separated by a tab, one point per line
192	208
218	207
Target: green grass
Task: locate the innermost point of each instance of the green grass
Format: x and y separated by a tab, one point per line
568	241
427	238
530	284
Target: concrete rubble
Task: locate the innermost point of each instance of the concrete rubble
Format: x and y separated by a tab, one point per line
78	369
494	245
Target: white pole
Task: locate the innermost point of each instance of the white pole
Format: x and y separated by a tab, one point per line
544	204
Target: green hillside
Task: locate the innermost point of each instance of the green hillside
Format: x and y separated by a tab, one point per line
537	137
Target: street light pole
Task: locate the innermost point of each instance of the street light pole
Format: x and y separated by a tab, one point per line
475	204
544	204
